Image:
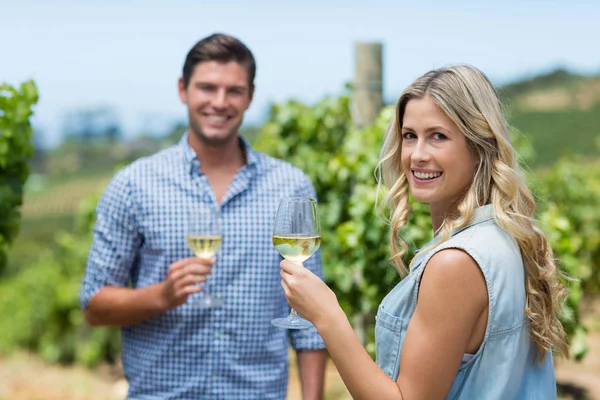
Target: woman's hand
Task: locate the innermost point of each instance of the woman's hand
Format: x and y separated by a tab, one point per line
308	294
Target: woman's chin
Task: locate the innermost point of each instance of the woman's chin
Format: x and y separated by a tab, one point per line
422	197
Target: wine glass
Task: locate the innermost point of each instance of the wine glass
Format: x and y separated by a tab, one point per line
296	236
204	238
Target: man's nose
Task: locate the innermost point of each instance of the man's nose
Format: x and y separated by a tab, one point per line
220	99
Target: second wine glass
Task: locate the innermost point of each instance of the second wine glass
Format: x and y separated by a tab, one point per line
296	236
204	239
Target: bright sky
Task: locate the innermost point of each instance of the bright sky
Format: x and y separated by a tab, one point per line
104	53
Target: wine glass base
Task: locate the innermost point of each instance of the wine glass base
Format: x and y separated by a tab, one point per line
208	302
291	323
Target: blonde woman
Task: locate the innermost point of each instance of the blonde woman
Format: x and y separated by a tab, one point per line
477	315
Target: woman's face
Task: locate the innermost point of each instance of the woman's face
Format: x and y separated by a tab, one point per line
435	156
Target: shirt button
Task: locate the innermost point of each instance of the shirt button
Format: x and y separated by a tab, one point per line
213	378
217	334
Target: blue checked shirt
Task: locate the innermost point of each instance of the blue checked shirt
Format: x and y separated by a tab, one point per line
189	353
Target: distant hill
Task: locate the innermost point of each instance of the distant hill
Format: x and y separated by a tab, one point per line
558	111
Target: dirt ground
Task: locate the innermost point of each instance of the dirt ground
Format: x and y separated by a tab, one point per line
25	377
582	380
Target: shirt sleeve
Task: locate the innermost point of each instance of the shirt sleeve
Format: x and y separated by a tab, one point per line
308	339
116	240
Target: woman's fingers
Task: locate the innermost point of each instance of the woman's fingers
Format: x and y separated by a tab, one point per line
285	287
290	267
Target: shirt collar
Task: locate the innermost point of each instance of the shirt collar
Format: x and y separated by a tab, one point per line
482	214
191	158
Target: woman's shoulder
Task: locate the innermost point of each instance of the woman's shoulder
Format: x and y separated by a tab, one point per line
457	274
481	246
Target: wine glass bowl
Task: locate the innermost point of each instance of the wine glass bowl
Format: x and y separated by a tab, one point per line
296	236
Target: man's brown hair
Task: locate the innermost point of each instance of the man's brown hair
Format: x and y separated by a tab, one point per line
221	48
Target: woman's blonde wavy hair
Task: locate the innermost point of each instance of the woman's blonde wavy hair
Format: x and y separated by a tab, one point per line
467	97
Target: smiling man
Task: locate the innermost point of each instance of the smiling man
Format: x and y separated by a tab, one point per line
141	276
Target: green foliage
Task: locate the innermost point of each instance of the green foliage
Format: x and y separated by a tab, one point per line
40	305
571	219
15	149
36	235
525	151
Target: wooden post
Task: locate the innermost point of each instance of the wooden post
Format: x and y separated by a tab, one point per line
368	83
367	102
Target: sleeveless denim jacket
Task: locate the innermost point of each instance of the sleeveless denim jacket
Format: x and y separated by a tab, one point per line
503	368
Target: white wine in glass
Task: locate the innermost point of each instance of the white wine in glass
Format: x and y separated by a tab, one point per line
204	238
296	248
204	246
296	236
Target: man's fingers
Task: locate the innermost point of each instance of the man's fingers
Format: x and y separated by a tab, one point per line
191	289
205	261
189	280
177	265
190	269
199	269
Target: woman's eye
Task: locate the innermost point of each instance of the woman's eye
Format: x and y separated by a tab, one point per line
439	136
408	135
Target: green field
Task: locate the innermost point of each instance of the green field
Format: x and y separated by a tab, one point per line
559	112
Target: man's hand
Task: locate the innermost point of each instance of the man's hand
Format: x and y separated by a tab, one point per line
121	306
182	280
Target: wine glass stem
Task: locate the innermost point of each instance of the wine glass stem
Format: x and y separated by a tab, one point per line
205	288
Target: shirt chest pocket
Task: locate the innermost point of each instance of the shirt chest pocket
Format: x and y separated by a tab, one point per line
389	335
158	250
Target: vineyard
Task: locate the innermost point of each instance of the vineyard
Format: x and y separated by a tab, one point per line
63	199
40	288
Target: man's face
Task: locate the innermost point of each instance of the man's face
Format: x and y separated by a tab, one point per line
217	96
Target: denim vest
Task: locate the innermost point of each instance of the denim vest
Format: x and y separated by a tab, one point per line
503	367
